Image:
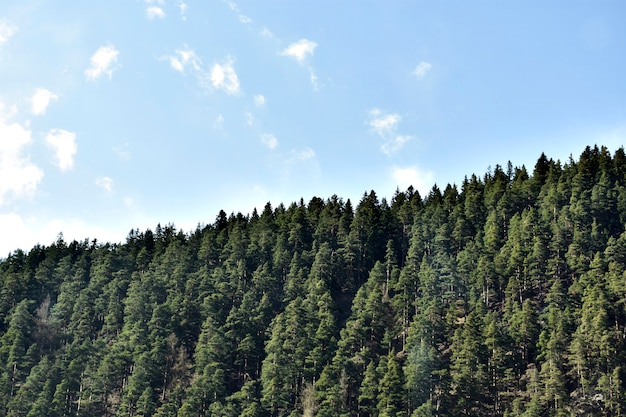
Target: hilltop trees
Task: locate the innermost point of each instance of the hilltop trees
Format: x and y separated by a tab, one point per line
504	296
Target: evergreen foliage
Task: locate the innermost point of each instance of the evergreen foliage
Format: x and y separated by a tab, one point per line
505	296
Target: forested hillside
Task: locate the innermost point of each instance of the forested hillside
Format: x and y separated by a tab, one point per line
504	296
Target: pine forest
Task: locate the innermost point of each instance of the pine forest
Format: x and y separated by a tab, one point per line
503	296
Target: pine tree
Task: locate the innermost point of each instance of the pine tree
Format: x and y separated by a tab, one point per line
468	368
391	396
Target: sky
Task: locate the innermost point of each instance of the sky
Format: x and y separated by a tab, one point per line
123	114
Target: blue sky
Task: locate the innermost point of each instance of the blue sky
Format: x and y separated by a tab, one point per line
122	114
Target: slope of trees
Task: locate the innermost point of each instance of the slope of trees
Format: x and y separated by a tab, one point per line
505	296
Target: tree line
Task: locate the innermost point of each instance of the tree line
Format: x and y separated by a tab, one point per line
504	296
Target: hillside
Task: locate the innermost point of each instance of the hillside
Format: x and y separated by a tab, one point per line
505	296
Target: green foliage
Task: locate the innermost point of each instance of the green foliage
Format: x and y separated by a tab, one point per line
505	296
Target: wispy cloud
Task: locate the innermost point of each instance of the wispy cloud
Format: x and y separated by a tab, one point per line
223	77
18	175
385	125
304	154
298	161
394	144
232	5
182	6
299	165
7	113
249	118
64	146
185	59
218	122
7	30
259	100
103	62
421	180
313	79
235	8
422	69
105	183
123	151
266	33
300	50
269	140
154	12
41	99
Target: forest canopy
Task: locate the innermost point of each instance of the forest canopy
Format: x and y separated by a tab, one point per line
504	296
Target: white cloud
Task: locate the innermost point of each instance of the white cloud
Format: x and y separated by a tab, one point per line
41	99
300	163
386	126
63	143
102	62
304	154
184	59
6	31
394	144
176	64
6	114
233	6
249	118
154	12
259	100
224	77
269	140
123	151
18	175
422	68
105	183
219	121
313	79
183	9
383	124
421	180
300	50
266	33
